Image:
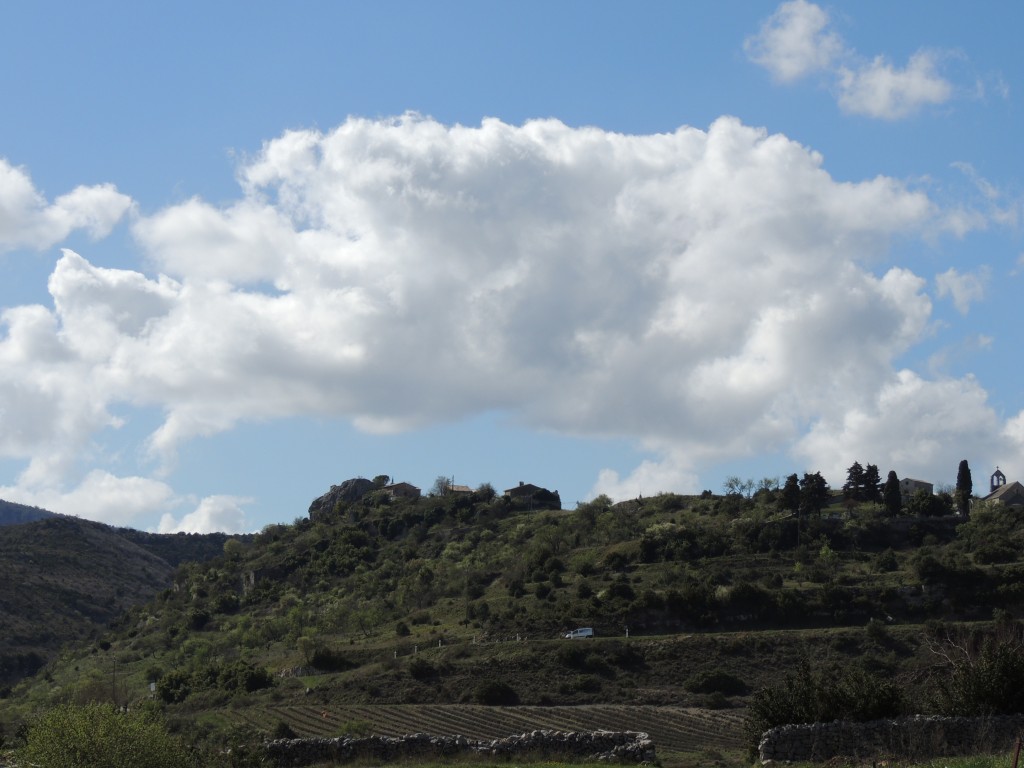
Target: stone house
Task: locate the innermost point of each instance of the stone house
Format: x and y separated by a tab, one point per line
909	486
402	491
530	496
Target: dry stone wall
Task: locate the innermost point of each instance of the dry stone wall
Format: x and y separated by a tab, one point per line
610	746
911	737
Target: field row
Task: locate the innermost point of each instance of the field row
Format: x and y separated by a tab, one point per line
674	728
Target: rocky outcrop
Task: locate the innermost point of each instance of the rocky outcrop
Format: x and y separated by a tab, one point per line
908	737
610	746
348	491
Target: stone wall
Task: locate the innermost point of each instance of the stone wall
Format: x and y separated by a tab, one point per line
612	746
910	737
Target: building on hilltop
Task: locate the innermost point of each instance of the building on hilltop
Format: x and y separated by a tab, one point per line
530	496
909	486
997	480
402	491
1001	492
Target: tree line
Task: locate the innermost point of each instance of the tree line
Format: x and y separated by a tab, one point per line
810	494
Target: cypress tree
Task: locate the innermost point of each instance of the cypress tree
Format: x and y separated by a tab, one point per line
891	496
964	488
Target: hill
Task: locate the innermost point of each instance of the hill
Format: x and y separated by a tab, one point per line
459	600
64	579
15	514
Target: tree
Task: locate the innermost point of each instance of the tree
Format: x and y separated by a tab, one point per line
441	486
733	485
233	549
814	494
485	492
924	504
767	488
853	488
964	489
872	484
789	499
737	486
892	497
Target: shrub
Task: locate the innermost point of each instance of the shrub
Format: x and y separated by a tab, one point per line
814	694
330	660
93	735
421	669
716	682
496	693
984	674
282	731
197	618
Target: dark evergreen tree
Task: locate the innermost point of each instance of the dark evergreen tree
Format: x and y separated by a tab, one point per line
892	498
853	488
814	494
872	484
789	499
964	489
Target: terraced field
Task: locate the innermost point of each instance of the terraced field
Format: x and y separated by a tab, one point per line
674	729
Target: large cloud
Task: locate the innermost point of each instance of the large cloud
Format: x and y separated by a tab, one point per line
706	293
28	221
680	284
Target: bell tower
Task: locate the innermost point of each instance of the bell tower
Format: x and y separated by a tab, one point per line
997	480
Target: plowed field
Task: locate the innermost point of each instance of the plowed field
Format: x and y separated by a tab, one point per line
674	729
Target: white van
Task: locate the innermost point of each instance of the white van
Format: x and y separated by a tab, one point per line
582	632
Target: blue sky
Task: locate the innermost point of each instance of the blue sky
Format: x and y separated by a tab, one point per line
251	250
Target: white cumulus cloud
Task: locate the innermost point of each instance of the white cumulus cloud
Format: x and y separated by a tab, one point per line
27	220
100	496
797	40
920	427
689	290
881	90
214	514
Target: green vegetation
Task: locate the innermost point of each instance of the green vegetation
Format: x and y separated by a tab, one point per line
63	580
70	736
457	601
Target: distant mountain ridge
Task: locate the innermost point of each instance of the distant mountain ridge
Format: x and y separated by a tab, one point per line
64	579
15	514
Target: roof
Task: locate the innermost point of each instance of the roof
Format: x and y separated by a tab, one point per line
523	488
1010	489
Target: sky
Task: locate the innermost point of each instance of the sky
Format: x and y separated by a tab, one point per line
251	250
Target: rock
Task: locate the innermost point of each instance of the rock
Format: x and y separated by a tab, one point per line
349	491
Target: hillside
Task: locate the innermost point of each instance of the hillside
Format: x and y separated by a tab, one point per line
64	579
15	514
460	600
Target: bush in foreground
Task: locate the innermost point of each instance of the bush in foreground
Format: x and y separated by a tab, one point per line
821	694
71	736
